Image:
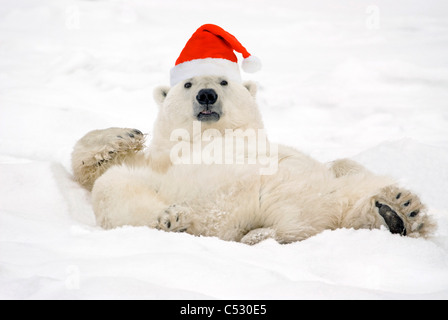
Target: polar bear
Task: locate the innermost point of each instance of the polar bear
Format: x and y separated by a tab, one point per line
135	186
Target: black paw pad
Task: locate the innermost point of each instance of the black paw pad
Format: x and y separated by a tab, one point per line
414	213
393	221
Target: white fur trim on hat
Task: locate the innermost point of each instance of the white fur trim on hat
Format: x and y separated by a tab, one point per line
205	67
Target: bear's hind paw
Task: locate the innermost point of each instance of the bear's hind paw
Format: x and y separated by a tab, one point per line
258	235
403	212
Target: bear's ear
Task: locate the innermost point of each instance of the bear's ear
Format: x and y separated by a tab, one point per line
160	94
252	87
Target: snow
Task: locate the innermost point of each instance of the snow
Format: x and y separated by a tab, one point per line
365	80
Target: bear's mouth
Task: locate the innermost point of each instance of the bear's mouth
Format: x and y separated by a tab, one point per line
208	115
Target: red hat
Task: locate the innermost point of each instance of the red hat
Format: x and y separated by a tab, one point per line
210	52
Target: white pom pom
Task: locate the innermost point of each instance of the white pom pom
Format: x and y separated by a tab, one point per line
251	64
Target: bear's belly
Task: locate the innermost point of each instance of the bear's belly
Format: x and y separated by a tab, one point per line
224	199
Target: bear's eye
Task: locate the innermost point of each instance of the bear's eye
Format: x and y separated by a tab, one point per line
187	85
224	83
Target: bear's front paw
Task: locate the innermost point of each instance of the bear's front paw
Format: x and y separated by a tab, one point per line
119	142
99	149
403	212
174	219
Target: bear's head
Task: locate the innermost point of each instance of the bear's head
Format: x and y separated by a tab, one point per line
216	102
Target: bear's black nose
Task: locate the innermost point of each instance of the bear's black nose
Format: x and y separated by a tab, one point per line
207	96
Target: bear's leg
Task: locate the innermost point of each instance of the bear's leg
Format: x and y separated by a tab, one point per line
128	196
100	149
344	167
398	209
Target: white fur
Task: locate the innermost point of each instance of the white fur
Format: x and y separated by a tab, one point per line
234	202
205	67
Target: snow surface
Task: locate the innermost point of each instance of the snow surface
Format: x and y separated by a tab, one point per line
361	79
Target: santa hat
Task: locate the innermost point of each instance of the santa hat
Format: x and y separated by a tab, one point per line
210	52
